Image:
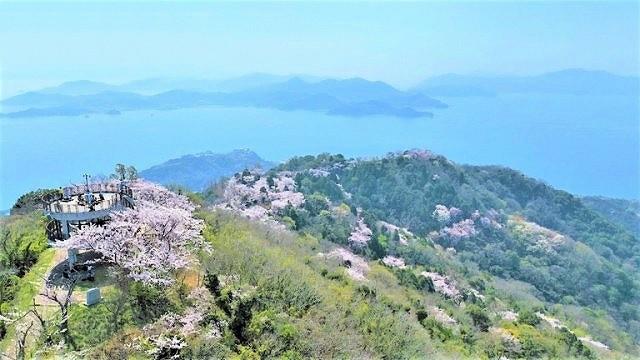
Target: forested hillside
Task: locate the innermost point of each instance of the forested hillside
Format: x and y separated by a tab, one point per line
625	213
401	257
505	223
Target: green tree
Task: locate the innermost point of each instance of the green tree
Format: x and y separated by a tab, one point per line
529	317
120	171
479	317
131	173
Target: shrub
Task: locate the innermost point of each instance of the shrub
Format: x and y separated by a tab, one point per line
8	287
90	325
212	283
436	329
33	201
148	302
241	317
528	317
531	348
576	347
479	317
421	314
407	277
22	240
287	293
3	329
366	291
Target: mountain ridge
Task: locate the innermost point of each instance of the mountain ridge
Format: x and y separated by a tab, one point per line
196	171
350	97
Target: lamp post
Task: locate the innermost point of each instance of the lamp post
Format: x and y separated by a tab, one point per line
88	196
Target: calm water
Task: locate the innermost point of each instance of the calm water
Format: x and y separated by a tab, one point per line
585	145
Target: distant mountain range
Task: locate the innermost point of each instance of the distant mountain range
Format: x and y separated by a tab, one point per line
198	171
157	85
350	97
570	81
354	97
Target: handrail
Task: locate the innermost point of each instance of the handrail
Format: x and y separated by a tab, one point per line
62	207
70	191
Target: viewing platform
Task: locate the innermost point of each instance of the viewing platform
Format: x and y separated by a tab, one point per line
82	205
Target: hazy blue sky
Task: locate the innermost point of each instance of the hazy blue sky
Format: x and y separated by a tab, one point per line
47	43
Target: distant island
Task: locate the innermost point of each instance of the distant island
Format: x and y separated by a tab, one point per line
355	97
198	171
350	97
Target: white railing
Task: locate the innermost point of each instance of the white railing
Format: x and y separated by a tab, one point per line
95	188
62	207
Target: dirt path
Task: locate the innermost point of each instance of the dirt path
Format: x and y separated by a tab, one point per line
47	308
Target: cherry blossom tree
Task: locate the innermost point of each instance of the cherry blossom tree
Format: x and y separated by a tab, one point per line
392	261
444	214
64	302
460	230
357	267
421	154
166	335
283	199
361	234
151	241
284	183
146	243
491	220
148	192
252	195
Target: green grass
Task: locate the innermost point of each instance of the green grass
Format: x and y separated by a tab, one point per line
307	304
28	289
345	323
90	325
101	280
31	283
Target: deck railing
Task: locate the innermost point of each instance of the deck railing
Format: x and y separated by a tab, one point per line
62	207
117	194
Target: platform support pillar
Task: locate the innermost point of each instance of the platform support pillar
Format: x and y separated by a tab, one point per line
65	229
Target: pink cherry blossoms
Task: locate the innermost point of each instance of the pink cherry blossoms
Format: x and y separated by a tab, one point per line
148	192
460	230
443	285
187	323
167	335
392	261
357	267
441	316
252	196
403	233
491	220
361	234
148	242
421	154
445	215
282	199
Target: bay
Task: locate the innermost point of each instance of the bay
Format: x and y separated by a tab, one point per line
587	145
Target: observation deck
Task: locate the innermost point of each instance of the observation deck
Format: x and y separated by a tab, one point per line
82	205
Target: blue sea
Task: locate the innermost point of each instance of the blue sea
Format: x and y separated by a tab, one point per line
586	145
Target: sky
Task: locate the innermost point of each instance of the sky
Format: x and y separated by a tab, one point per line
45	43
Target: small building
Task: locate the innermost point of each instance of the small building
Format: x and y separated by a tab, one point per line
82	205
